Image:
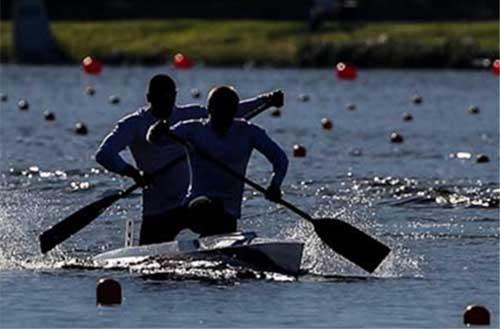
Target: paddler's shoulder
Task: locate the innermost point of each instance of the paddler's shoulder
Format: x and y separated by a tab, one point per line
190	123
245	124
189	111
141	115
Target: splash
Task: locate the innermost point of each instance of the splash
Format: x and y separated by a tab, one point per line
320	260
210	270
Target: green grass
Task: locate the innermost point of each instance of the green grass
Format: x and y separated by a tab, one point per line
282	43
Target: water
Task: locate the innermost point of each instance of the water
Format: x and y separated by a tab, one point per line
439	213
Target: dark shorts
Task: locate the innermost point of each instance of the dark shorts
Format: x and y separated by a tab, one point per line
204	219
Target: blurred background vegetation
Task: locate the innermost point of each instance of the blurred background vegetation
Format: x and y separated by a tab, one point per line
373	33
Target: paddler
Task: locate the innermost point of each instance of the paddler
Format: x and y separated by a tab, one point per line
214	197
163	194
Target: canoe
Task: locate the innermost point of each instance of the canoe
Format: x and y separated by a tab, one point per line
265	254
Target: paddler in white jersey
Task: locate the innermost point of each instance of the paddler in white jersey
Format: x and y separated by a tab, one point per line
214	197
166	192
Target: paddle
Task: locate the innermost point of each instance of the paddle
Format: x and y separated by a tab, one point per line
346	240
81	218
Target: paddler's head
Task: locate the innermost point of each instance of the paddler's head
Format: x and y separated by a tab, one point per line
222	106
161	94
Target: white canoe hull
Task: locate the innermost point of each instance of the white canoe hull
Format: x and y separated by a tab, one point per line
266	254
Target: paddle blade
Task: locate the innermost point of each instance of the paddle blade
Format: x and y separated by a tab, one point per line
75	222
353	244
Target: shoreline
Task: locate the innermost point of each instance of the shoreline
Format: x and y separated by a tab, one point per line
282	44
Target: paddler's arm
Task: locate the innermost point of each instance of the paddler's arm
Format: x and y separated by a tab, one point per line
273	98
108	153
274	154
157	133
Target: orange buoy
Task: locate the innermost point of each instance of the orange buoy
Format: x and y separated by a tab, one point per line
195	92
473	109
476	315
482	158
23	105
396	138
407	116
90	91
81	128
113	99
346	71
92	65
416	99
182	62
495	67
299	151
304	97
108	292
49	116
326	124
351	107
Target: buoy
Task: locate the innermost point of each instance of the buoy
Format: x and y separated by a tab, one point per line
90	91
461	155
351	107
304	97
407	116
482	158
346	71
113	99
356	152
396	138
476	315
276	113
299	151
49	116
23	105
3	97
81	128
108	292
495	67
473	109
416	99
182	62
195	92
92	65
326	123
481	63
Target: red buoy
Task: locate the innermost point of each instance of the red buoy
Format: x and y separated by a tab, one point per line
495	67
92	65
476	315
108	292
182	62
326	123
299	151
346	71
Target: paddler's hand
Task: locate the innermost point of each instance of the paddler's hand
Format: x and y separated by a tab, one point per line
273	193
157	132
275	98
142	179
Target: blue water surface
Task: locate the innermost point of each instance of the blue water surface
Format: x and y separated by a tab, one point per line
427	198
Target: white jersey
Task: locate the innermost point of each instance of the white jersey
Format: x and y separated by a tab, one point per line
168	190
234	149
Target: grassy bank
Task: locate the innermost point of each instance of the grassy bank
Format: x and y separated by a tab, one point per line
231	42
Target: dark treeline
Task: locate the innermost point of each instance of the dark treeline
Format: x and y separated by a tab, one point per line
371	10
